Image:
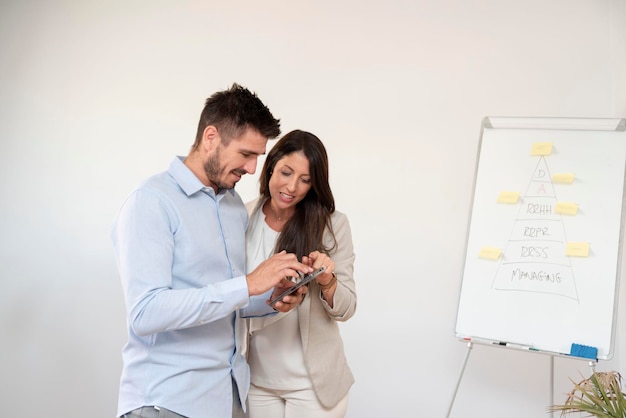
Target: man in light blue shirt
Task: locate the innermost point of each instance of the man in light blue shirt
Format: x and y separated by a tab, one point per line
179	242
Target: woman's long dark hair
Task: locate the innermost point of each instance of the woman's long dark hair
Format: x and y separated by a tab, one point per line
304	232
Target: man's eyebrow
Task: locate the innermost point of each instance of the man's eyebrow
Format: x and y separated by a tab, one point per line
247	151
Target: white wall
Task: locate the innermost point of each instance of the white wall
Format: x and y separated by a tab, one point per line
95	96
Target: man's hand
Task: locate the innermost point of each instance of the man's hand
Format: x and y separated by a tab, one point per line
272	271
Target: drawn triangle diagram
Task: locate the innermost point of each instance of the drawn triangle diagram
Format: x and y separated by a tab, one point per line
534	258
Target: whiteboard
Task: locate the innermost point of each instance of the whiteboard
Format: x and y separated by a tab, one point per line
543	247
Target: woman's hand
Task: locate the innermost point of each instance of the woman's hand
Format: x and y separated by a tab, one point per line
291	301
316	260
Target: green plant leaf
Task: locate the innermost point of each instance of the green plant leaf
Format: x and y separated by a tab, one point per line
600	395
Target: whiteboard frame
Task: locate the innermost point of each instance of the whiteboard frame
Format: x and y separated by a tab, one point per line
546	123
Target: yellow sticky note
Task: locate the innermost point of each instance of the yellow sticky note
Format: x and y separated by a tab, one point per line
566	178
541	148
490	253
577	249
508	197
566	208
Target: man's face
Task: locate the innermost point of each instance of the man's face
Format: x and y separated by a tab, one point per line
225	166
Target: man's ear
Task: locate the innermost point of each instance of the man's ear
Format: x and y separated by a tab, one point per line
210	137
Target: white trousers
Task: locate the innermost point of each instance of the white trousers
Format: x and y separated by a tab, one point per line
270	403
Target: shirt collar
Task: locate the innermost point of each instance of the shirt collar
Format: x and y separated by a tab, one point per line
188	181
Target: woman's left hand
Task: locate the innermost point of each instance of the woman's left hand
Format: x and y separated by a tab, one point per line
316	260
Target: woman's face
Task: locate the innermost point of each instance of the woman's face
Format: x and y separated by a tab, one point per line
290	180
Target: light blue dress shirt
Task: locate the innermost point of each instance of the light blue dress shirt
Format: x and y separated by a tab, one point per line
180	250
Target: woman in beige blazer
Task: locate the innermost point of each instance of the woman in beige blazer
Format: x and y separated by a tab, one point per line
297	361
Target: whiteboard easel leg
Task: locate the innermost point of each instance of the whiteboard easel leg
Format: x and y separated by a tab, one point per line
592	364
552	383
458	383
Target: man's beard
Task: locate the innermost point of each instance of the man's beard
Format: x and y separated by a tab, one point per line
215	172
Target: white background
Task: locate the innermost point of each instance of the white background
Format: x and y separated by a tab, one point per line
95	96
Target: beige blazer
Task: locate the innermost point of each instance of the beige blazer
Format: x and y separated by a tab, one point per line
321	342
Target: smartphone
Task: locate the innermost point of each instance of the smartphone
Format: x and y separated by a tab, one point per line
303	280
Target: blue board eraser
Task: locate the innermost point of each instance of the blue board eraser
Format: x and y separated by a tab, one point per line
584	351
